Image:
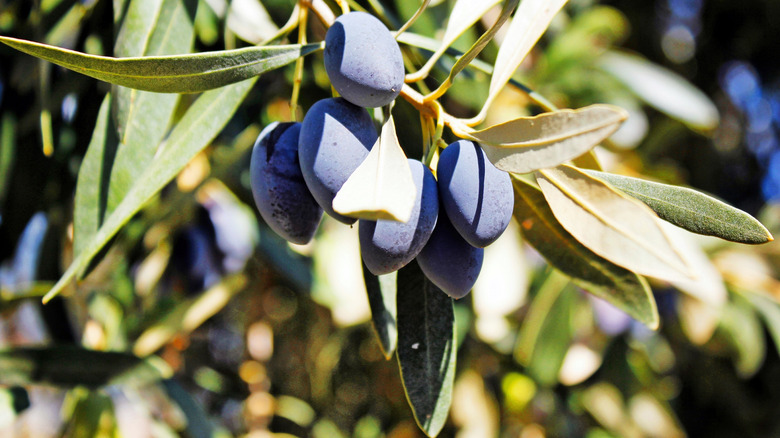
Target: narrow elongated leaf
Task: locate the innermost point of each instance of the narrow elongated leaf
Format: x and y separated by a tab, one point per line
426	347
769	309
70	366
613	225
624	289
7	152
463	15
382	186
743	331
528	24
382	300
526	144
143	117
190	73
477	47
92	186
692	210
663	89
199	125
546	332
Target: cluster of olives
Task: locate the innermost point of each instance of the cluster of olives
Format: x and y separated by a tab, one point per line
297	169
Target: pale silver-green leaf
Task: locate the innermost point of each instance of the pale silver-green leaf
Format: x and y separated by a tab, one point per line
624	289
463	15
528	24
692	210
199	125
526	144
663	89
382	186
189	73
611	224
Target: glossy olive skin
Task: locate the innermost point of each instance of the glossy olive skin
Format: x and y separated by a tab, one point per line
387	245
477	196
363	60
336	137
449	261
280	192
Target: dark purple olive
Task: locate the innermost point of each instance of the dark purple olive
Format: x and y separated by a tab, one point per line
449	261
363	60
387	245
477	196
281	194
336	137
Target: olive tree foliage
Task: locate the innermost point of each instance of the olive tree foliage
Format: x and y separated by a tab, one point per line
602	231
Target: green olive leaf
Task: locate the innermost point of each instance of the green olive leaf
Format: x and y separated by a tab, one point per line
190	73
613	225
70	366
91	200
661	88
427	347
528	24
199	125
624	289
463	15
382	186
143	117
381	292
546	332
690	209
526	144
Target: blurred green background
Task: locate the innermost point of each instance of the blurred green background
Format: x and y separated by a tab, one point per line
248	336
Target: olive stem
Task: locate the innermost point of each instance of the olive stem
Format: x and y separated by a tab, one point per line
303	15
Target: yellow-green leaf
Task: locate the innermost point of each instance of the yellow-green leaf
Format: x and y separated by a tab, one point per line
692	210
382	186
526	144
381	292
613	225
190	73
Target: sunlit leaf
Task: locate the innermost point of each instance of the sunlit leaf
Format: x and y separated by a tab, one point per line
526	144
199	125
170	74
382	300
426	348
528	24
692	210
89	413
92	186
463	15
611	224
663	89
382	186
621	287
70	366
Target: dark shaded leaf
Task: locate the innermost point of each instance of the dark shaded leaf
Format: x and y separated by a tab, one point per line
621	287
382	300
69	366
692	210
170	74
426	347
